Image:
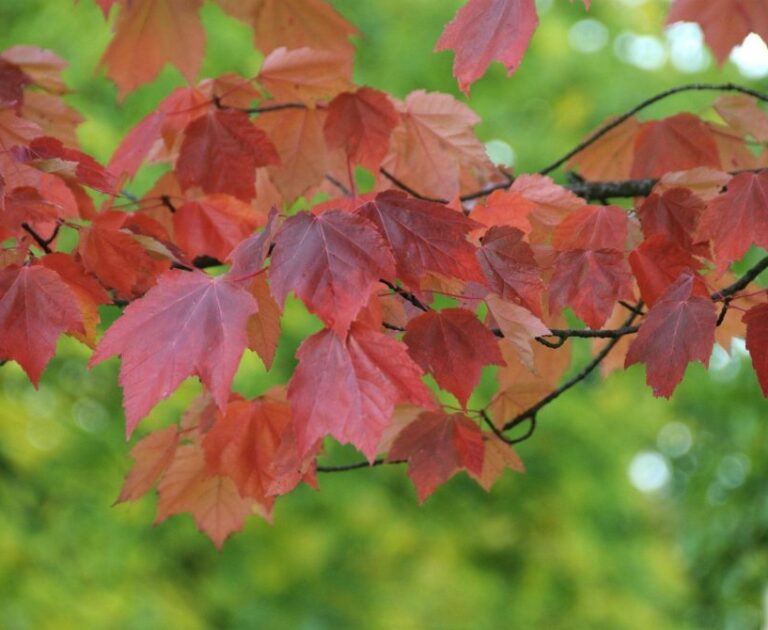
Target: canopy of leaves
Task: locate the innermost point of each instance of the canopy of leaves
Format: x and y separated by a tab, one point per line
385	218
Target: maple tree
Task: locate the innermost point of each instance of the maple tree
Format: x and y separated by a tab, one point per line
446	265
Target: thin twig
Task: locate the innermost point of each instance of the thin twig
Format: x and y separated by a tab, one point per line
409	297
346	191
358	465
564	334
491	189
529	433
742	282
690	87
574	380
631	307
496	431
43	243
723	311
276	107
411	191
588	333
166	201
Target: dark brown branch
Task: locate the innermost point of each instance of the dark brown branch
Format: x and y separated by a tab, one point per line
590	191
259	109
166	201
723	311
631	307
475	195
601	191
584	333
409	297
358	465
44	244
742	282
497	432
574	380
487	419
722	294
345	191
276	107
690	87
529	433
588	333
412	192
491	189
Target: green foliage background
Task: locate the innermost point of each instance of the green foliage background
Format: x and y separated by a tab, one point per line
572	544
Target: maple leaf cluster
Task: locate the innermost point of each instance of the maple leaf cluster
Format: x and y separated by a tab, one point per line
445	266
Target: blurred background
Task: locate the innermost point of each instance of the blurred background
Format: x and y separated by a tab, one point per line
634	513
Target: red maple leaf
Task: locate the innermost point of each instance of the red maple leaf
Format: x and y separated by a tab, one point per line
331	262
674	213
293	24
484	30
725	22
453	346
361	123
157	32
220	153
189	323
248	258
678	329
737	218
657	263
12	83
213	225
152	455
70	164
348	388
756	320
36	307
244	444
510	267
593	228
116	258
504	207
86	288
497	457
437	446
213	500
424	236
590	282
305	74
677	143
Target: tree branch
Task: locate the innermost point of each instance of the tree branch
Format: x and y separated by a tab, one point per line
345	191
620	189
574	380
409	297
412	192
358	465
742	282
530	414
260	109
722	294
44	244
690	87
